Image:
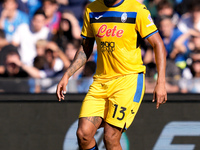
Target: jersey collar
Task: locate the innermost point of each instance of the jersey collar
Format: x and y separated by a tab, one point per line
117	4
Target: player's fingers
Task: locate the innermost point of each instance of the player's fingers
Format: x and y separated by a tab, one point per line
58	93
62	94
157	104
154	97
165	98
159	101
63	91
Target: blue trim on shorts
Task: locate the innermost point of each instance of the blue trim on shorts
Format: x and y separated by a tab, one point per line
139	88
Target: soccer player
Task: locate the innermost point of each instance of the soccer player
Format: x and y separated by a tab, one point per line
118	87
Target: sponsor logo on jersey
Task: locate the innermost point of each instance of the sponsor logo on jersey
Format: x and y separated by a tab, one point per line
107	46
124	17
105	31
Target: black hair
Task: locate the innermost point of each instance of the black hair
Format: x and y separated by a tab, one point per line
52	1
193	4
39	62
40	12
164	3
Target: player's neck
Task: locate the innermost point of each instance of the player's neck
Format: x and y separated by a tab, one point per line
111	3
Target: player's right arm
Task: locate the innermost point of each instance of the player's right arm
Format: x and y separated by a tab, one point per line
80	59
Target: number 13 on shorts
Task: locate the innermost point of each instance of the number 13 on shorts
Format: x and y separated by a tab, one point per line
121	110
126	100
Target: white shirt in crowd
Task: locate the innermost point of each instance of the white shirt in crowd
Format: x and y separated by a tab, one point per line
27	40
186	23
50	72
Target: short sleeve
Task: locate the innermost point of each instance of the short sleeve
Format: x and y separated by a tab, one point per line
144	23
87	28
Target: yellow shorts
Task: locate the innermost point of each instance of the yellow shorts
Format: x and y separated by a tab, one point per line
116	101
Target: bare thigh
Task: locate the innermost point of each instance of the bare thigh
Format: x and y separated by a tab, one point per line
112	130
112	135
90	124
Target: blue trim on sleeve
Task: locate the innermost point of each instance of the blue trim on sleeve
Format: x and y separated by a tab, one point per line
151	34
139	89
83	36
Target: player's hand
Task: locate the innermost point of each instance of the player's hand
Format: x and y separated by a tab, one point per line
61	88
159	95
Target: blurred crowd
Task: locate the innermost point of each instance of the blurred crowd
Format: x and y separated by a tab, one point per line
39	39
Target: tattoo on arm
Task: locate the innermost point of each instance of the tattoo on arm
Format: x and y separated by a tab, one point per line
81	56
95	120
79	60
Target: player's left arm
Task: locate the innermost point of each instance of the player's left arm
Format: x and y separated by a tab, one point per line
159	94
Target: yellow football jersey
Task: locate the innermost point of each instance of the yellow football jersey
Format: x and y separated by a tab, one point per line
118	31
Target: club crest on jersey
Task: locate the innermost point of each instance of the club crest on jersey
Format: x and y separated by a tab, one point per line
124	17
